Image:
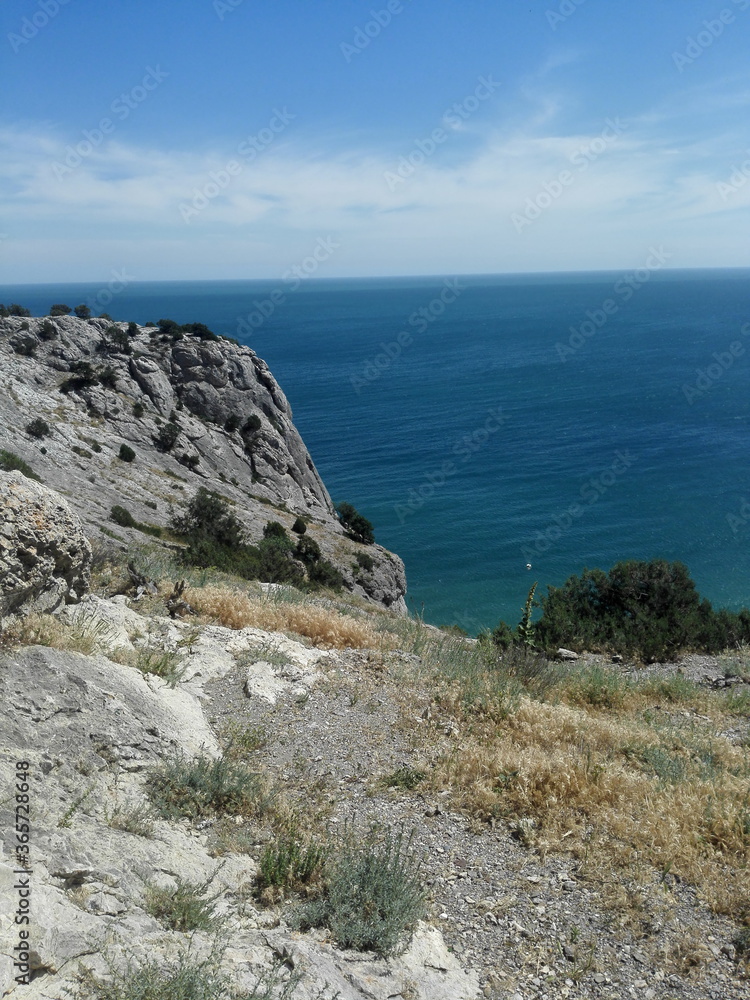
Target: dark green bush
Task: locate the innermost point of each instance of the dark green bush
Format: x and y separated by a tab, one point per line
82	311
133	330
25	346
83	376
357	527
126	453
275	530
122	517
108	377
47	331
647	609
116	341
199	330
232	423
12	463
38	428
365	561
299	527
190	461
60	310
167	436
138	410
13	310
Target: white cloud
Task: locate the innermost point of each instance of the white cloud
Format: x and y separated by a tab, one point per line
125	206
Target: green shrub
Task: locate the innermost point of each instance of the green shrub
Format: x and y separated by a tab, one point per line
274	529
9	462
232	423
38	428
108	377
299	527
373	894
366	562
289	864
138	410
122	517
357	527
60	310
184	908
136	819
405	777
82	311
126	453
190	461
116	340
646	609
25	346
14	310
199	330
324	574
83	376
167	436
133	330
206	787
48	331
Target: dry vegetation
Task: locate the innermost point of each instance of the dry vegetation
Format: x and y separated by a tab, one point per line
323	626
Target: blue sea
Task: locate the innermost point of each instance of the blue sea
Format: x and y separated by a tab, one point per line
485	424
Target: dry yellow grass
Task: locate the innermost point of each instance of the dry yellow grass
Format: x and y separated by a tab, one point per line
585	782
324	627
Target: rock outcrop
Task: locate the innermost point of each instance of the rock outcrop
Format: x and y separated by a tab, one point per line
45	557
190	410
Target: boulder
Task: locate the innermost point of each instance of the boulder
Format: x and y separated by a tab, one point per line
45	557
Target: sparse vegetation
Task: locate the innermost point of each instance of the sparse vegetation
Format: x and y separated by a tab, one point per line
120	515
60	310
10	462
167	436
207	787
187	907
357	527
126	453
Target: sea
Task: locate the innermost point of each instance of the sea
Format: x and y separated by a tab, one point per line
501	431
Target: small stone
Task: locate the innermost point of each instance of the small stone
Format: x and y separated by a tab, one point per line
570	953
566	654
599	978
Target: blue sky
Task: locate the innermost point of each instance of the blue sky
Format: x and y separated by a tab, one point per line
230	138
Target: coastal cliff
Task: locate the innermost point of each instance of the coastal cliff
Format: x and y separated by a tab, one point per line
141	417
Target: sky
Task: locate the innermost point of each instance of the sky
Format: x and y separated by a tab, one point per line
236	139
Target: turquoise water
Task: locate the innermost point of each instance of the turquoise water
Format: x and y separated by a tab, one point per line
484	434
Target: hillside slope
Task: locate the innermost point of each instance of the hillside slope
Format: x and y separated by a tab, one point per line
195	409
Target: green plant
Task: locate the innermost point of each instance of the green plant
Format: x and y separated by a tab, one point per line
82	311
373	894
646	609
299	527
83	376
357	527
190	461
122	517
126	453
526	625
25	346
9	462
167	436
184	908
59	310
186	978
289	864
135	819
38	428
203	786
162	663
138	410
365	561
67	816
14	310
47	331
405	777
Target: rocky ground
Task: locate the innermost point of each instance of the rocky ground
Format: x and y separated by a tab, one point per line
331	729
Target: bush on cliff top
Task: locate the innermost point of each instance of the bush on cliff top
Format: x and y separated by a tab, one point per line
651	610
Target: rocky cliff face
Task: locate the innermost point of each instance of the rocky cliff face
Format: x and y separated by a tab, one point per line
195	410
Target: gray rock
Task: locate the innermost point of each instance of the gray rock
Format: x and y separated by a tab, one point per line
44	556
566	654
266	474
